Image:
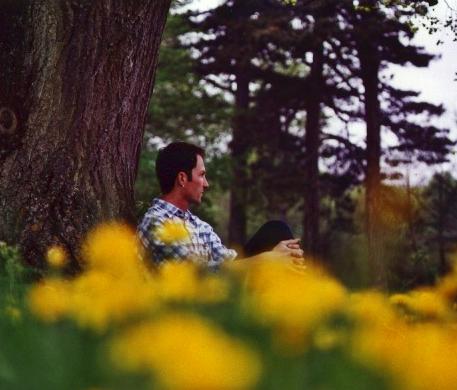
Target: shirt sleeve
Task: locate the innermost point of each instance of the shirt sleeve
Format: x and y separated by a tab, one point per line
157	250
219	252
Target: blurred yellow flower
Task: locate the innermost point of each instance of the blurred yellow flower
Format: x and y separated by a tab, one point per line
424	302
98	299
213	289
94	299
172	231
178	280
185	351
285	294
418	356
290	298
49	300
185	281
56	256
371	308
114	248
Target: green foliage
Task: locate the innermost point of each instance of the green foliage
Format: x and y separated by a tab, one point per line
438	218
181	108
10	264
13	274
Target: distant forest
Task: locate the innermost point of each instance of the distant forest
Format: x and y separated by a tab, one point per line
275	92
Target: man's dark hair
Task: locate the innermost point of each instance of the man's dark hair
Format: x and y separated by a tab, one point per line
174	158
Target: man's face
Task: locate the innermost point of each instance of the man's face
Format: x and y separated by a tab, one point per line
193	190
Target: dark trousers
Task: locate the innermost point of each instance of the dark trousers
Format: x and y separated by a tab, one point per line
267	237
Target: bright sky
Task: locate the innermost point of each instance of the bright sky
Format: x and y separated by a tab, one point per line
438	82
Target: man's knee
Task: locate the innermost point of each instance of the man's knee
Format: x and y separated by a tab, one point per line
267	237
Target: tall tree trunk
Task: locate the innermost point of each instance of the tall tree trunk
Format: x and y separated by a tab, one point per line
370	66
312	143
441	226
239	144
74	88
410	214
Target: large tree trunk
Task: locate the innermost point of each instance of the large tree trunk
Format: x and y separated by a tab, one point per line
74	88
370	66
239	144
312	144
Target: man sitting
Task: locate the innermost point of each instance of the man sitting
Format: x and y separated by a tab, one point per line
181	173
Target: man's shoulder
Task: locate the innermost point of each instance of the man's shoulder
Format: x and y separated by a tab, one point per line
156	213
202	224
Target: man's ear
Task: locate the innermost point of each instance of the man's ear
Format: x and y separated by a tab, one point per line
181	179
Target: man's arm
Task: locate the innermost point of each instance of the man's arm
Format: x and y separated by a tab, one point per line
289	247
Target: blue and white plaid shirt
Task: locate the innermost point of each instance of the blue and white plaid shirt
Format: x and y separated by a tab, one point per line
205	246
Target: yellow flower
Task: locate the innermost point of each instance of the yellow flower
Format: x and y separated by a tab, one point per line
56	256
172	231
286	294
418	356
371	308
213	289
185	351
424	302
290	298
184	281
50	299
178	280
114	248
98	299
94	299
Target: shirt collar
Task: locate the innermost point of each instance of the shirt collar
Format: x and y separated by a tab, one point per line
173	210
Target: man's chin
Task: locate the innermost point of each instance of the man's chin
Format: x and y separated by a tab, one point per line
196	202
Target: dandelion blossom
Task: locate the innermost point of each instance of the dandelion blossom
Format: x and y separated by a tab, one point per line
113	248
185	351
56	256
172	231
50	299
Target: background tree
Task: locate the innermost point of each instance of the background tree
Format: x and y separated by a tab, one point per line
380	36
439	218
237	39
181	107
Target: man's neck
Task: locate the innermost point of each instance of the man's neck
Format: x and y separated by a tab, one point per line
176	200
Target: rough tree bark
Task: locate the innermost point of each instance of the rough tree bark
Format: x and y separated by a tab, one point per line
75	82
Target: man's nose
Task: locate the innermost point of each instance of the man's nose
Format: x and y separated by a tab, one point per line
205	184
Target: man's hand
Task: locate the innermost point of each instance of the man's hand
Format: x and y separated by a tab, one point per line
289	247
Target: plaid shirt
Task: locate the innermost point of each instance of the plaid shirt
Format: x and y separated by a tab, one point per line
205	246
